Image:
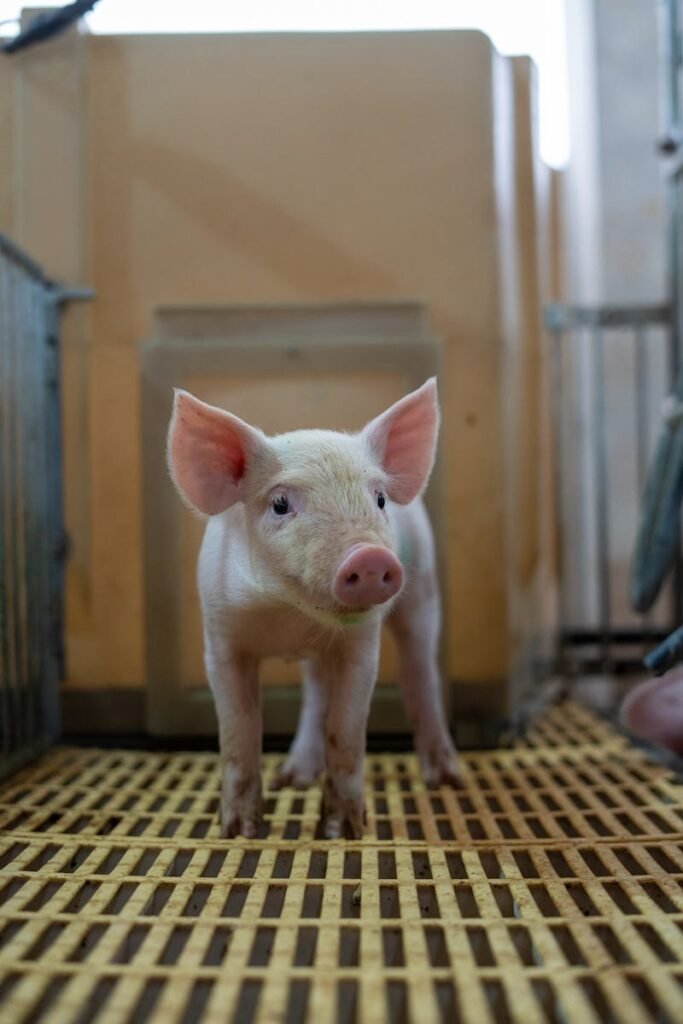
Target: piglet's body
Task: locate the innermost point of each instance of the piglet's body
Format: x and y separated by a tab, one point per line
314	538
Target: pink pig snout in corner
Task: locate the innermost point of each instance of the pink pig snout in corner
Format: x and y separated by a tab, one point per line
654	710
368	575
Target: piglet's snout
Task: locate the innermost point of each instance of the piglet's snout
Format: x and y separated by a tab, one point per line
368	575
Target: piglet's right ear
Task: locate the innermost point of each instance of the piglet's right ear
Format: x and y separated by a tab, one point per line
209	452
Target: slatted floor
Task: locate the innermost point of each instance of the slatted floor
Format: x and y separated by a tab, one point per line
549	888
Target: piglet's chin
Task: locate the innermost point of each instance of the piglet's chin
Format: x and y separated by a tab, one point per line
338	617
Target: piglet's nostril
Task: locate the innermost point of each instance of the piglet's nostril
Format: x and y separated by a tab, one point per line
353	578
386	578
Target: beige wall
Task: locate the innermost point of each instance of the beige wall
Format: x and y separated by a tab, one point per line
528	282
270	169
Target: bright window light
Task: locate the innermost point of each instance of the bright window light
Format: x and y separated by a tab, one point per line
533	27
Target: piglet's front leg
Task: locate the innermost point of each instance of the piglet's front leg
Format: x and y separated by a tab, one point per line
234	683
351	680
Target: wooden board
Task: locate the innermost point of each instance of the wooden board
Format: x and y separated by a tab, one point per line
278	377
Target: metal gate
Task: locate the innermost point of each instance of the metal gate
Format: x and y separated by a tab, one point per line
598	631
645	342
32	538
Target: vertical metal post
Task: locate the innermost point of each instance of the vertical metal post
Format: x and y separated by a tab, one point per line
56	542
641	384
677	574
602	493
642	406
36	517
15	724
557	355
5	486
23	350
670	50
670	143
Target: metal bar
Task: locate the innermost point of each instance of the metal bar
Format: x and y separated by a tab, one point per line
601	490
671	134
641	385
557	355
675	241
642	407
674	374
584	664
38	514
565	318
15	724
25	473
669	95
5	488
60	296
622	635
19	258
56	538
667	654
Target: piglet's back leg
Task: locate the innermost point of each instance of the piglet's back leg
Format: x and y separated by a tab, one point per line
415	624
306	758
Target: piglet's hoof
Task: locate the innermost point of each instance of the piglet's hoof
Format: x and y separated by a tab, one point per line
343	817
241	809
237	826
439	763
301	770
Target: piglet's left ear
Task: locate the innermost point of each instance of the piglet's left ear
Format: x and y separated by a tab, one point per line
403	439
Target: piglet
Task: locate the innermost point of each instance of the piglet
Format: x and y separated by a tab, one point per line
314	538
654	710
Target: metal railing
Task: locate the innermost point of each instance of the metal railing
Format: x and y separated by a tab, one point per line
32	537
613	641
607	636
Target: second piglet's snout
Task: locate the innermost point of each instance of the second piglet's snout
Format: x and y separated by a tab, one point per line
369	575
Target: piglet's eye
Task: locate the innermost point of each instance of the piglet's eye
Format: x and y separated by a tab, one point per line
280	505
381	500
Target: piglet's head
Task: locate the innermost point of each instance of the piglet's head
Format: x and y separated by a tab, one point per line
316	503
